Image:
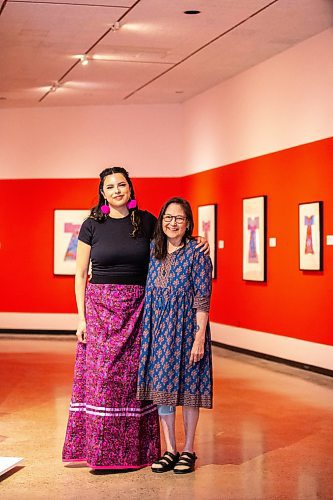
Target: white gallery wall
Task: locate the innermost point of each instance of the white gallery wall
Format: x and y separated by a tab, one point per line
283	102
79	142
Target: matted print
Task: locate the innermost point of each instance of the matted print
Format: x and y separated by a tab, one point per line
207	228
310	236
254	238
67	225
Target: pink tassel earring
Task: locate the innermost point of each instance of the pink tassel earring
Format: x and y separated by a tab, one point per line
131	204
105	209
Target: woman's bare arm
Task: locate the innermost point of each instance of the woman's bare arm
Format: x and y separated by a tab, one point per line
198	348
82	265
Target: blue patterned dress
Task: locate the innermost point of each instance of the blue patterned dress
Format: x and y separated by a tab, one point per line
176	287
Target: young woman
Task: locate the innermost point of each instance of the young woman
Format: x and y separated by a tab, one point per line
108	427
175	366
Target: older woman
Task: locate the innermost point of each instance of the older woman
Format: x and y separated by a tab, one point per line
175	366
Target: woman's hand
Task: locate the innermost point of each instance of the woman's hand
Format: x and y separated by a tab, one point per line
81	331
203	244
197	350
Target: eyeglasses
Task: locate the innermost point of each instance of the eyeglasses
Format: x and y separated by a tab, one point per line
179	219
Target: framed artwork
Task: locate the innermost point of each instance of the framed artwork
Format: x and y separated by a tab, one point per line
254	239
310	236
207	228
67	225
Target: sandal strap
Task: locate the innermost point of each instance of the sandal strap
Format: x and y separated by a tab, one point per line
187	458
187	454
166	459
171	455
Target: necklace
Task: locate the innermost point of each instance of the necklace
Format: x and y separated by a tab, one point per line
175	248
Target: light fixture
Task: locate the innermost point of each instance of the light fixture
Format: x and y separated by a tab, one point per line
192	12
115	26
84	60
54	86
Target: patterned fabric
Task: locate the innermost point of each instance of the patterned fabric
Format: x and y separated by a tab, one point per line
201	303
108	428
174	286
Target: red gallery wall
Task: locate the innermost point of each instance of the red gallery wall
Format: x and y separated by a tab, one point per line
292	303
26	236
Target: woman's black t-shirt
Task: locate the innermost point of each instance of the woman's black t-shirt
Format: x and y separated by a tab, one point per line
117	257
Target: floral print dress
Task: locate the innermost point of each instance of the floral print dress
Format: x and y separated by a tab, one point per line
176	288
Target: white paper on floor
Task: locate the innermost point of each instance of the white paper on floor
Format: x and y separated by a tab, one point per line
7	463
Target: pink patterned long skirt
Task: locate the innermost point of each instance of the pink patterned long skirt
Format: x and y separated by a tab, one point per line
108	427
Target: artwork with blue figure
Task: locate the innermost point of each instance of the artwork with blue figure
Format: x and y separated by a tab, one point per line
74	229
206	229
309	221
253	225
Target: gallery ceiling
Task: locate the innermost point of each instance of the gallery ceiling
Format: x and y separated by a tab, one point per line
100	52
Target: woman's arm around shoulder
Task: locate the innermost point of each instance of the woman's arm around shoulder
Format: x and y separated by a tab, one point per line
149	222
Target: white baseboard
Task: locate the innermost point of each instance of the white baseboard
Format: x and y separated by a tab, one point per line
301	351
38	321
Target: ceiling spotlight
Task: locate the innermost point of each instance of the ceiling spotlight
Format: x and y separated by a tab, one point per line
115	26
54	86
84	60
192	12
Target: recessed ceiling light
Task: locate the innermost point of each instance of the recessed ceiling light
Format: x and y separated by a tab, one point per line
115	26
192	12
84	60
54	86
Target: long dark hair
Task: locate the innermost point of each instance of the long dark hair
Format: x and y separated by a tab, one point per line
98	215
160	239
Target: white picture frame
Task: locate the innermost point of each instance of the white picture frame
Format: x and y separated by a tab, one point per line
67	225
207	228
310	236
254	238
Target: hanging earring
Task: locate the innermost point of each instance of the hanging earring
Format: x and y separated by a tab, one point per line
131	204
105	209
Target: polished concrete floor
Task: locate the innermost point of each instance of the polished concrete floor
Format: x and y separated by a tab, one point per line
270	435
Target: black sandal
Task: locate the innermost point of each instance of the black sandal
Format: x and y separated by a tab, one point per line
167	462
187	462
